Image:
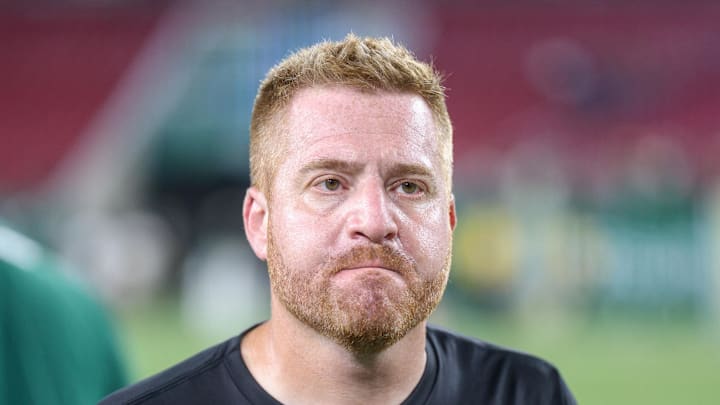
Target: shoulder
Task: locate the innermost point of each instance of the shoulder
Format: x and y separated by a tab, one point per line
38	281
475	353
204	372
35	286
496	371
46	309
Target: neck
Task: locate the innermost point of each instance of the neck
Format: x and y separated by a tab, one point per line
295	364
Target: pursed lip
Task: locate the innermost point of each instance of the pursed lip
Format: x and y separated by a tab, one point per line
369	265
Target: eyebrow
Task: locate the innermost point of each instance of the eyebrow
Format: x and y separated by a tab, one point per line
397	170
404	169
331	164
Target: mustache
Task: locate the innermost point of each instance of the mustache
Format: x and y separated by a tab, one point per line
382	255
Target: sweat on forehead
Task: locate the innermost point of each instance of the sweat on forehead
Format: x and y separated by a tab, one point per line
342	108
389	129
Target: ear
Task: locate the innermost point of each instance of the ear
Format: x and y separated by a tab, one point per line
255	219
451	212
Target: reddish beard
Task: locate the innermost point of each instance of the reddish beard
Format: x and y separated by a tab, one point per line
371	314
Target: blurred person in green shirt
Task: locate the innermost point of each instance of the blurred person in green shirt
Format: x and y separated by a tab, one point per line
56	343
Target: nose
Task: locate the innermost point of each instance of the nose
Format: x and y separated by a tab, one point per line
371	214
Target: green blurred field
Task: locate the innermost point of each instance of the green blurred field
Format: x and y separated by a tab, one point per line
604	361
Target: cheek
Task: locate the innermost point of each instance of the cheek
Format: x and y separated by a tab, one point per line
300	237
429	239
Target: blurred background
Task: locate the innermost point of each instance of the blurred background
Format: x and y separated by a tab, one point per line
587	170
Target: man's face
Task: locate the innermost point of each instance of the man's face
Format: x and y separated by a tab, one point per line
360	215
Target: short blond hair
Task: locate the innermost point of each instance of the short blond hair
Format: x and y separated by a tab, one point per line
367	64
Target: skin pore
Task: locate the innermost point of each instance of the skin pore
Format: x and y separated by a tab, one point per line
357	236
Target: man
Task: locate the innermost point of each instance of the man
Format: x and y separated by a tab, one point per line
56	343
352	208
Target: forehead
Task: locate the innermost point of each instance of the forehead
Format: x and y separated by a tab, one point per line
350	120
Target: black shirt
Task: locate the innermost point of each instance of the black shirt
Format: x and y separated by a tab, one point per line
459	370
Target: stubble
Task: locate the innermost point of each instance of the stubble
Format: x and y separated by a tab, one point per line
371	314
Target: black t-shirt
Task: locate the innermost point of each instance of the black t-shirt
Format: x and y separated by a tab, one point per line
459	370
